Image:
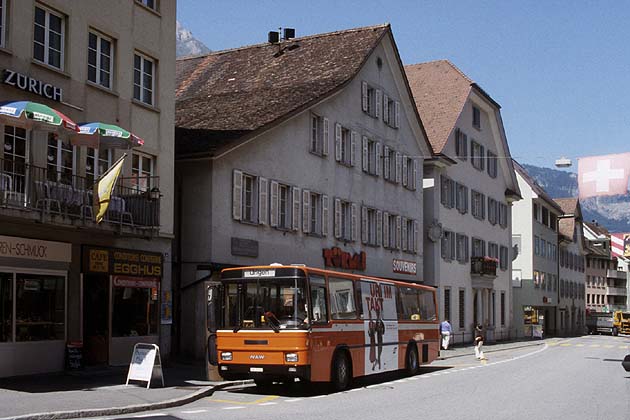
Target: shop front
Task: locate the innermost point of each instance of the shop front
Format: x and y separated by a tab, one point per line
538	321
120	302
33	305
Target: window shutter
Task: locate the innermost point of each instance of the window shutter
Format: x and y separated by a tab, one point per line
414	181
306	209
379	99
378	159
273	207
338	142
386	229
397	114
237	195
458	145
379	227
482	157
354	138
355	222
465	199
365	154
364	224
385	108
443	190
464	140
364	96
483	205
337	223
404	234
324	215
263	201
386	162
398	167
398	231
405	180
444	247
326	137
416	238
296	209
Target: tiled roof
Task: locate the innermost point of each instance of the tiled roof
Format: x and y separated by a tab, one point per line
569	206
440	91
245	89
597	228
540	191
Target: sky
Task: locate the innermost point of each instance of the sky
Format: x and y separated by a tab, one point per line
559	69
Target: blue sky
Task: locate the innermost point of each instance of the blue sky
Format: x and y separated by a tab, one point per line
559	69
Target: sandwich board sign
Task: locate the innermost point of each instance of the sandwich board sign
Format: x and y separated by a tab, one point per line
145	364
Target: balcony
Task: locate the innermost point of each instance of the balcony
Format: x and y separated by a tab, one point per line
483	266
616	291
31	192
616	274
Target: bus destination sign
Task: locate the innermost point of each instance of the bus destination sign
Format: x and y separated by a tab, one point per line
258	273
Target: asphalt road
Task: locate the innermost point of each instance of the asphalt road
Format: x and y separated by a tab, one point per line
577	378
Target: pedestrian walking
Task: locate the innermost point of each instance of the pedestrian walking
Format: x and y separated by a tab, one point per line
446	330
479	342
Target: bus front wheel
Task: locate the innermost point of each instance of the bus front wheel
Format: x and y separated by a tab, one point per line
342	373
412	359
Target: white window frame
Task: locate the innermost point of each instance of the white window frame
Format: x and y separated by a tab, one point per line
477	158
145	3
462	251
140	172
461	198
99	38
320	135
285	206
143	59
478	205
461	144
47	30
449	246
492	164
96	160
503	257
58	158
346	220
481	245
371	156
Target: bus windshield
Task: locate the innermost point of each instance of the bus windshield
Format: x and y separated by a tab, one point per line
266	303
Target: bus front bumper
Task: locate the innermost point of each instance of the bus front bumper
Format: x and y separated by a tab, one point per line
237	371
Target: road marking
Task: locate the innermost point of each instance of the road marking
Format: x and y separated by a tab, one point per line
294	400
232	408
565	344
268	403
608	346
579	345
319	396
139	416
552	344
594	345
193	411
623	347
258	401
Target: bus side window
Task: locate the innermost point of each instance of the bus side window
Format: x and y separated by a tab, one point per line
410	309
318	299
342	304
427	305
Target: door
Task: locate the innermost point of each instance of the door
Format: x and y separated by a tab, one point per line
96	319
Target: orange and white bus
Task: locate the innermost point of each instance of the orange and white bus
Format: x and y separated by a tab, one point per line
277	323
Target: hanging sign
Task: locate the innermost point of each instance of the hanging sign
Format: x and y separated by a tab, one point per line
32	85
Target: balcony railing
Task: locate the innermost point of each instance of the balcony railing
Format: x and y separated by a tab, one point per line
616	291
616	274
483	266
135	202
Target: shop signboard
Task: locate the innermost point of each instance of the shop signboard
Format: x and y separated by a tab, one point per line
123	262
404	267
35	249
145	364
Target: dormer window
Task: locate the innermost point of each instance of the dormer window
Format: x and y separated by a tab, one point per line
476	121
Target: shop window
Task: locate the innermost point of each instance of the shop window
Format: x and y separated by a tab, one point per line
40	307
6	307
135	309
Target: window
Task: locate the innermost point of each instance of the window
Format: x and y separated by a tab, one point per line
97	162
447	193
461	144
60	160
6	307
409	172
3	24
100	60
492	164
416	304
249	192
284	206
342	304
39	307
492	211
391	165
346	223
502	308
478	247
15	157
371	156
553	221
461	201
478	205
247	205
48	37
477	158
410	235
135	308
462	307
391	110
448	246
536	212
462	248
315	213
503	218
503	258
536	279
345	144
370	229
493	250
536	245
318	299
151	4
545	216
476	120
447	304
370	99
143	78
142	171
319	135
392	231
543	247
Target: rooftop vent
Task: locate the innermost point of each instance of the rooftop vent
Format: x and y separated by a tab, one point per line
273	37
289	33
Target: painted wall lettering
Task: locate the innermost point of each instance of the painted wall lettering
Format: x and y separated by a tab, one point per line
29	84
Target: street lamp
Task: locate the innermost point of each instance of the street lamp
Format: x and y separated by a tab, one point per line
563	162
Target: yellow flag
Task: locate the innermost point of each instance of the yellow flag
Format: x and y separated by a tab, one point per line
103	189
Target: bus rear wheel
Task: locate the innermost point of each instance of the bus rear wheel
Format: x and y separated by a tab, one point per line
411	365
341	374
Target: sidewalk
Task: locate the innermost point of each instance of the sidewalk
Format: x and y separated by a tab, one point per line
92	393
469	349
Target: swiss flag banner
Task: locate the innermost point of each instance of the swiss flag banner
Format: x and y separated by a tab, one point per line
603	175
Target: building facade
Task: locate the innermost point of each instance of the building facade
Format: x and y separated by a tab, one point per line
329	176
535	271
606	269
468	193
62	276
571	255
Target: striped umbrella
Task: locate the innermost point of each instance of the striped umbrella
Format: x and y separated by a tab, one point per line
35	115
106	136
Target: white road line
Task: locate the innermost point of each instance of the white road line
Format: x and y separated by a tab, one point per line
232	408
319	396
150	415
193	411
268	403
294	400
354	390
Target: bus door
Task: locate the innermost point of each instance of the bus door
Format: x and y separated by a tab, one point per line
214	320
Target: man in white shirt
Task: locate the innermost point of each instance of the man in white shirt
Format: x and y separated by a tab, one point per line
446	330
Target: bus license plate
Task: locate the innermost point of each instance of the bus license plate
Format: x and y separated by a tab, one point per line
255	369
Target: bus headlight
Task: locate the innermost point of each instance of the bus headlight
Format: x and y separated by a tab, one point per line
226	355
291	357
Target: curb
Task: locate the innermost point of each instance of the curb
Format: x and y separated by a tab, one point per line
114	411
485	350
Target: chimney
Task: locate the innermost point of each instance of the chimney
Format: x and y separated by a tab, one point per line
273	37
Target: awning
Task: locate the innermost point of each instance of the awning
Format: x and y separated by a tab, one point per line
105	136
30	115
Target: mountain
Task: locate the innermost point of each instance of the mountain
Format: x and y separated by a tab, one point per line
187	44
612	212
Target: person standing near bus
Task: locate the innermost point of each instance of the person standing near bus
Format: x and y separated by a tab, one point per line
479	342
446	330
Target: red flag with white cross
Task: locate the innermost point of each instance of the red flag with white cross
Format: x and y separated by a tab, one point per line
603	175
